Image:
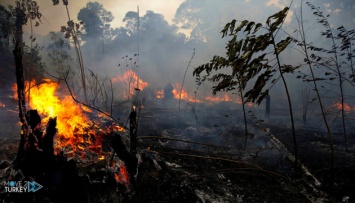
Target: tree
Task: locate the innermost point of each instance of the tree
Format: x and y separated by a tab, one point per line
248	54
96	29
7	24
57	51
71	31
328	63
96	21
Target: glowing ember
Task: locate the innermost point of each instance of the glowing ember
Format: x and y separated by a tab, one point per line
122	176
184	95
130	78
2	105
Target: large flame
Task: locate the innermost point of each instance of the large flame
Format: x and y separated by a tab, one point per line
76	131
70	116
130	80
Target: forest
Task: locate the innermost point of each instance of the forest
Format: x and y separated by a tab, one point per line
187	101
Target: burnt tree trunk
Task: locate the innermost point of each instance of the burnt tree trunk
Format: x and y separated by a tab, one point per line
133	130
20	81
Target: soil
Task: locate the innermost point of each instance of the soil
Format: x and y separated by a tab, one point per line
212	168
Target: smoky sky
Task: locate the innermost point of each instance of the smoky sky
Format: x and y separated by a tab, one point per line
170	31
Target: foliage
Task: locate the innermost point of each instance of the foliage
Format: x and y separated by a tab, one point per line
96	21
247	58
57	51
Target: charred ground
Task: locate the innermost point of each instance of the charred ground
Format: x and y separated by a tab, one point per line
180	161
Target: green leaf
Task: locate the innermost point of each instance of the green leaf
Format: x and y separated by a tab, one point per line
282	45
231	28
242	24
257	27
225	30
249	27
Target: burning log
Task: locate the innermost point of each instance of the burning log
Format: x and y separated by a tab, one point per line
122	153
37	149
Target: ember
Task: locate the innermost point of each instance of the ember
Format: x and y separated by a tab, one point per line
119	171
122	176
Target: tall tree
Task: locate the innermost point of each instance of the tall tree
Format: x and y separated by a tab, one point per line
96	29
96	21
248	54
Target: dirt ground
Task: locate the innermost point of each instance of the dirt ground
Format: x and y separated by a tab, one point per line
212	168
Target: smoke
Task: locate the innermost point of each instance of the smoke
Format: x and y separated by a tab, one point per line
166	42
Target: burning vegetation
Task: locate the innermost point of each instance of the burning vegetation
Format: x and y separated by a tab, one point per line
130	80
84	136
76	131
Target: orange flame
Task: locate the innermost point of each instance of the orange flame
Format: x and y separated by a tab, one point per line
130	78
347	108
27	84
71	119
76	131
159	94
70	116
122	176
184	95
2	105
225	98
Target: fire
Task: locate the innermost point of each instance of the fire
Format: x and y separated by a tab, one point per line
76	132
122	175
347	107
130	78
184	95
2	105
225	98
27	84
159	94
70	116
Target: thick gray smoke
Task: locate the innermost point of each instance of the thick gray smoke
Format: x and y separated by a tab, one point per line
166	49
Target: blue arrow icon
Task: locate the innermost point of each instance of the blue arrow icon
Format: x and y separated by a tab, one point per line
33	186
